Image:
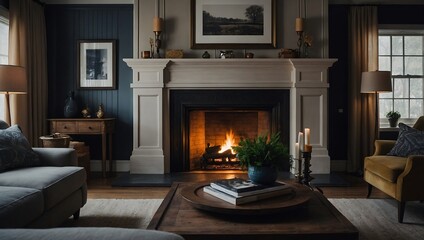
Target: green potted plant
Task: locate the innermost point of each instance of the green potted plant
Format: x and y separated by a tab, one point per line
393	117
263	157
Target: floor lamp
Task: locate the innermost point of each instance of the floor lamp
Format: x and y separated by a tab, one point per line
12	81
376	82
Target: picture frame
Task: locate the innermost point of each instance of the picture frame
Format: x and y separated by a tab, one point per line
233	24
96	64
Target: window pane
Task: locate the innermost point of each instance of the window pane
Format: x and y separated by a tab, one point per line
401	88
3	60
4	39
384	64
397	66
402	107
413	45
397	45
416	88
385	107
385	95
416	108
414	65
384	45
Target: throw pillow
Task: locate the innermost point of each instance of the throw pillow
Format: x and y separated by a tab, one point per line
15	150
3	124
409	142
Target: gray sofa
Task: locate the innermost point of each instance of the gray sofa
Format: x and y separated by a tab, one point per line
45	195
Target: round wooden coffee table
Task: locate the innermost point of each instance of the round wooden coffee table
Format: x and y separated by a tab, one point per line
197	198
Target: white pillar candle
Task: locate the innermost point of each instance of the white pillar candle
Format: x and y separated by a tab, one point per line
307	136
301	140
296	151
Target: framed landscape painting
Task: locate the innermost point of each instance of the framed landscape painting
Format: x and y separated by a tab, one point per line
96	64
234	24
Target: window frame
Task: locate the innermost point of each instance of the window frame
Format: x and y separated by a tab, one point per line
402	30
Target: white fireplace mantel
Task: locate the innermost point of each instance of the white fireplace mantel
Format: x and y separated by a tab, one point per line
153	78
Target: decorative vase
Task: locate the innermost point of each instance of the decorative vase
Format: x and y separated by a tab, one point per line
206	55
86	112
262	175
100	113
393	122
71	106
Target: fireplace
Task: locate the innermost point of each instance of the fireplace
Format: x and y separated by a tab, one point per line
201	121
156	147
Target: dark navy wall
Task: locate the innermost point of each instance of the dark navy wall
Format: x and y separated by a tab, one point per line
338	76
66	24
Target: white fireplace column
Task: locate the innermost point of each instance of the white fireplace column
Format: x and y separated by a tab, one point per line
153	78
148	142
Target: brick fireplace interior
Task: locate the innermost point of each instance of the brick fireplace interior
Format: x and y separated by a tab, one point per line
213	132
203	120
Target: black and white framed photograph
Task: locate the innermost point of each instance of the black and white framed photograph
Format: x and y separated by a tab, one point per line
238	24
96	64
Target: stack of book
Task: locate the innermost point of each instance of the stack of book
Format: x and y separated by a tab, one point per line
239	191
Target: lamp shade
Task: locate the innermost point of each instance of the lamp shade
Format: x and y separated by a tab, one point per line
13	79
376	81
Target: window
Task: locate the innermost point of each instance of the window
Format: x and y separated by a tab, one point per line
401	52
4	47
4	36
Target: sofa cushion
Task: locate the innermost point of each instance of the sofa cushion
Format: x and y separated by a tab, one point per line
19	206
87	233
15	150
387	167
409	142
56	183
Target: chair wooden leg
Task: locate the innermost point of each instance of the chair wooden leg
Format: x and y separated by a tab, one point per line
401	211
76	215
369	190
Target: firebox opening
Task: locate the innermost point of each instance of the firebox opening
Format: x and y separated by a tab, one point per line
213	132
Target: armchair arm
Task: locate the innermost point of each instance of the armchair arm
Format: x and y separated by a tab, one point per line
382	147
57	156
409	182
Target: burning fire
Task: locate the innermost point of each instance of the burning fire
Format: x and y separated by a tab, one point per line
229	142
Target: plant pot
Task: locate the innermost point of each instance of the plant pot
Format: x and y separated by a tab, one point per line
393	122
262	175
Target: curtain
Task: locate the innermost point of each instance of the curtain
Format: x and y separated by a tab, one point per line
363	52
28	48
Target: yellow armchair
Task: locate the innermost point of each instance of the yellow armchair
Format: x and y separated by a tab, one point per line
399	177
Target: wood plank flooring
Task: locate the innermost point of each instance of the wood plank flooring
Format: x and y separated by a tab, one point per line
99	187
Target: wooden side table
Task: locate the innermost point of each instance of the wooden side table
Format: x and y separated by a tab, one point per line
88	126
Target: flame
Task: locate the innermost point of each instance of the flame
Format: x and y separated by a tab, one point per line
229	142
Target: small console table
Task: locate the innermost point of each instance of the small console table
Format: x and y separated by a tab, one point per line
88	126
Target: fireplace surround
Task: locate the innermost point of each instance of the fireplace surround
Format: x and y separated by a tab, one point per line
155	79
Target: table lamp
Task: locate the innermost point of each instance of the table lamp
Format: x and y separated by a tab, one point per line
12	81
376	82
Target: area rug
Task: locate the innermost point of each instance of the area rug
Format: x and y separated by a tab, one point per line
377	218
124	213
